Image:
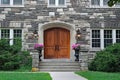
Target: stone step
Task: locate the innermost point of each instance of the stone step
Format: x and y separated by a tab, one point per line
59	63
59	70
59	66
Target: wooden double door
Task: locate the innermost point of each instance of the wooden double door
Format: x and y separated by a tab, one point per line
57	43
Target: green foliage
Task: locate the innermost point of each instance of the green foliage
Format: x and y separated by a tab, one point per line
24	76
107	60
11	57
91	75
112	2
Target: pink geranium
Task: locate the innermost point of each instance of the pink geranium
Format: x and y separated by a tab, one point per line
36	46
75	46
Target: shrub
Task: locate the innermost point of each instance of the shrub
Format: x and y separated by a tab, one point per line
107	60
11	57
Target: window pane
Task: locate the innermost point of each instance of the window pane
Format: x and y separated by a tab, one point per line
17	2
61	2
105	2
95	38
117	36
107	42
107	37
17	35
5	33
52	2
5	1
95	2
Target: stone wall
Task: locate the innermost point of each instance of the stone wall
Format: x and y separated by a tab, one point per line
77	12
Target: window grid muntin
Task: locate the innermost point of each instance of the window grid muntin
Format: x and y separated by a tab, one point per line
61	2
17	2
17	35
5	34
105	2
102	3
117	36
107	37
95	38
52	2
5	2
95	2
11	3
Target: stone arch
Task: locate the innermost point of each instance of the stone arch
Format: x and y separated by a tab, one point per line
59	24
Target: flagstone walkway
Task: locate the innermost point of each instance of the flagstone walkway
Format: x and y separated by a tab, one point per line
65	76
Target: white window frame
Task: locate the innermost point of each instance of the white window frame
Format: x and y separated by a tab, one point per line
95	38
109	34
11	35
11	4
57	4
102	38
101	5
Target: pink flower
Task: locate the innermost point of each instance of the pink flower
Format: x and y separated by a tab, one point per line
36	46
75	46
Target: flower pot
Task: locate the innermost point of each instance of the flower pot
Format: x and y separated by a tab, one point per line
76	55
40	54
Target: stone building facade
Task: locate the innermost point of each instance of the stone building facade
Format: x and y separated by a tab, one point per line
99	24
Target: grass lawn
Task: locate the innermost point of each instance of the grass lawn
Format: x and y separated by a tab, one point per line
90	75
24	76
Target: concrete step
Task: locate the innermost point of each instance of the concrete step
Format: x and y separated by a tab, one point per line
59	70
59	66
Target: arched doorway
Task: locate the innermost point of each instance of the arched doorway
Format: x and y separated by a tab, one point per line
57	43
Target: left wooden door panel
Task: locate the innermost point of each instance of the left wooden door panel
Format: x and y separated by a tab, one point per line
49	42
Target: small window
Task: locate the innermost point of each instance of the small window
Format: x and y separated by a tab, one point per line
17	2
61	2
105	2
101	3
11	3
107	37
56	3
95	38
52	2
117	36
95	2
5	2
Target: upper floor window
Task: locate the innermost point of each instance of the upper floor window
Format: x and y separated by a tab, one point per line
11	3
95	2
17	2
101	3
5	2
56	3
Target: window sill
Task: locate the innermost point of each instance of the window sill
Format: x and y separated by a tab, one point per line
11	5
103	7
53	6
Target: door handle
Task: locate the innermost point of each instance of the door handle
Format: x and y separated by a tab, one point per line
58	47
55	47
